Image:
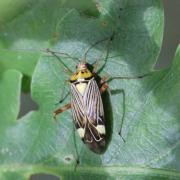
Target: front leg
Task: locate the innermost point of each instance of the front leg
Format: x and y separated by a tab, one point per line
60	110
104	84
63	97
104	87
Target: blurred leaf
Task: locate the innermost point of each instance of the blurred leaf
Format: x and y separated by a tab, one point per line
29	26
36	144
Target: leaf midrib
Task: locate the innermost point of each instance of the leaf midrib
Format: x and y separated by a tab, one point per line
117	170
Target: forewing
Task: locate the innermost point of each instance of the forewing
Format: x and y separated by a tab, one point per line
95	130
88	115
93	103
77	107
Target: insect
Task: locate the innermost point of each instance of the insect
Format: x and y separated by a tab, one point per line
86	102
86	105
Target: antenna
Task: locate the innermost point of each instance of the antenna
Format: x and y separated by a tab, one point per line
96	43
62	63
61	53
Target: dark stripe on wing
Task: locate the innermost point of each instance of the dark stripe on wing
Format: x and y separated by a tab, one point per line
95	117
88	113
93	103
77	107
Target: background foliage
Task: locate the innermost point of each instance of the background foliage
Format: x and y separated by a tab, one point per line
35	143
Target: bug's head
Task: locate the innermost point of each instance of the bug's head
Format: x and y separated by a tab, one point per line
82	66
82	72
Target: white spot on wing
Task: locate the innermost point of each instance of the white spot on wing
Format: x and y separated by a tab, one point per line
81	132
101	129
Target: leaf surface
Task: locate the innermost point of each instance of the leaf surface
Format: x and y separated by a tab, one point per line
37	144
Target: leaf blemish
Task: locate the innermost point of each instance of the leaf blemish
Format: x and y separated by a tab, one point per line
68	159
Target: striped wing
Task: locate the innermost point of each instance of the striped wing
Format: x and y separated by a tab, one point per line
78	109
93	103
88	114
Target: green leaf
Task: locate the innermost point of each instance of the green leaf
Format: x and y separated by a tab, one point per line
36	144
31	25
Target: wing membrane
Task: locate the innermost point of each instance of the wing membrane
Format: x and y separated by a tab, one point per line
93	103
88	115
78	110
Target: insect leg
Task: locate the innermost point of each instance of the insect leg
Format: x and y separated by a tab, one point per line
104	84
103	88
126	77
60	110
123	115
77	154
109	78
63	97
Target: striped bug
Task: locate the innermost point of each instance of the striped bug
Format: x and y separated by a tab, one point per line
86	102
